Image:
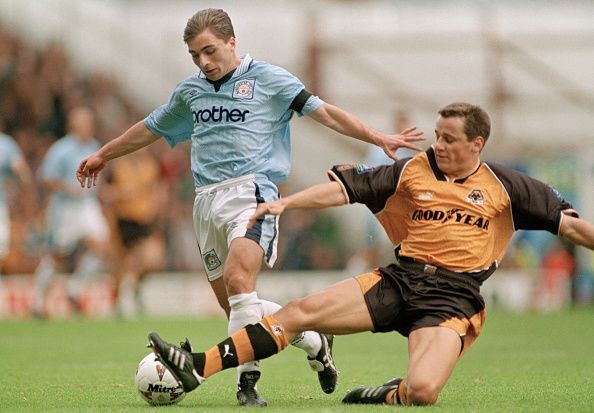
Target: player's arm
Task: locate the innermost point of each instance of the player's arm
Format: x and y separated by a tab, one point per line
22	172
578	231
347	124
137	137
315	197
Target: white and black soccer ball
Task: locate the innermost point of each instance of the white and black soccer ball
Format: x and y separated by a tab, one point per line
155	383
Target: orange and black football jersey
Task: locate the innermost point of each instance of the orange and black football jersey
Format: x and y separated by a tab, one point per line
463	225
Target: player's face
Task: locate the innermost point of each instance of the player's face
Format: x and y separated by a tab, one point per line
82	123
214	56
456	156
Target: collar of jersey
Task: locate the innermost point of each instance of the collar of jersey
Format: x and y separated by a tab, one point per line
246	61
440	175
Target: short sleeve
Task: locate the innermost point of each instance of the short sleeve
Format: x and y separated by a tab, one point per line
535	205
305	103
172	120
371	186
311	105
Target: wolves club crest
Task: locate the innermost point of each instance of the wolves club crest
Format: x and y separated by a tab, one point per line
476	197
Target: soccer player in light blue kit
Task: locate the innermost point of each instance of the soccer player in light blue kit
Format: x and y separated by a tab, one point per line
12	164
74	217
236	112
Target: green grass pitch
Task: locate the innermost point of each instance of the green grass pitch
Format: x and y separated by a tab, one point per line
521	363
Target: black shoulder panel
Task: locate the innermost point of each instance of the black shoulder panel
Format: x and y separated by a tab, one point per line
371	186
535	205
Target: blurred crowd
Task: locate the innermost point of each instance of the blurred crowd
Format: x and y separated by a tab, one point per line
38	88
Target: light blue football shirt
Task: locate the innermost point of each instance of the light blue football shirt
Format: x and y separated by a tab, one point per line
9	154
61	163
241	129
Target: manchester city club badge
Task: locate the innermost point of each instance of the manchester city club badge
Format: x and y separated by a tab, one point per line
211	260
244	89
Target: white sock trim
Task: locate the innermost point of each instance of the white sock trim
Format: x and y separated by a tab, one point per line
243	299
308	341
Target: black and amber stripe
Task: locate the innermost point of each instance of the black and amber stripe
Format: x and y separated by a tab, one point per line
254	342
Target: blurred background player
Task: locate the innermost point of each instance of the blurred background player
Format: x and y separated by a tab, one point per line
12	165
552	290
76	229
376	157
134	196
236	112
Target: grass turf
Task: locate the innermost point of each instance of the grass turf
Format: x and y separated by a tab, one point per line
521	363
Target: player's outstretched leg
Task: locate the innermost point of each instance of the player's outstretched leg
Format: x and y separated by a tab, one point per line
254	342
318	348
388	393
323	363
178	361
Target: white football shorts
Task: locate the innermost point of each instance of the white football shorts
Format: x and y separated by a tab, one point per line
221	214
75	222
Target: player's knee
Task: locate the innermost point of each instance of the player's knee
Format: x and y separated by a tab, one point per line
422	392
238	278
299	314
236	282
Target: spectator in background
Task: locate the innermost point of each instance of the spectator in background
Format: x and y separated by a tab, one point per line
74	217
12	165
376	157
552	291
112	111
181	240
295	241
311	242
134	196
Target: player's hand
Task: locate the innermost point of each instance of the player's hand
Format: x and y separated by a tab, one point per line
88	170
267	208
404	139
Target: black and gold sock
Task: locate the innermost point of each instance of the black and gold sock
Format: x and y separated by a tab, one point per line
253	342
